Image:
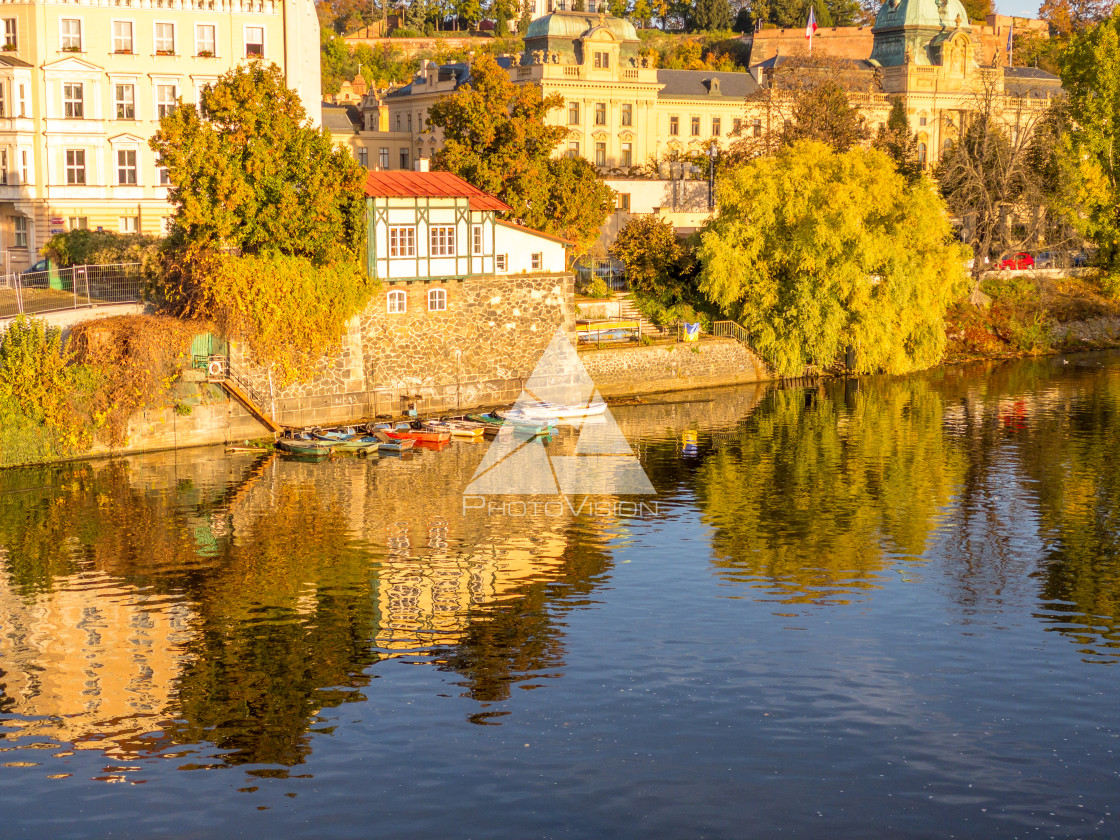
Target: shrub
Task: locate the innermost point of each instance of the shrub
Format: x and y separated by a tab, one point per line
598	288
98	247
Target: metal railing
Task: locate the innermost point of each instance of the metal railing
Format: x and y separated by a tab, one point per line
731	329
76	287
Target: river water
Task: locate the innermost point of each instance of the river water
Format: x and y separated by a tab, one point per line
886	607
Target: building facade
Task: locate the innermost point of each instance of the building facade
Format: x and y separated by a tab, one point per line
82	88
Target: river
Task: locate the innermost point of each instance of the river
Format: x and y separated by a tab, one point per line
885	607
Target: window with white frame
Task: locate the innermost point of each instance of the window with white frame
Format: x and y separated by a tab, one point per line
77	223
70	34
476	240
20	231
129	224
75	166
165	99
24	169
397	302
124	101
536	261
3	99
205	40
627	154
441	241
10	41
165	39
126	167
383	158
437	300
3	166
500	262
402	241
363	157
73	100
122	36
21	102
254	40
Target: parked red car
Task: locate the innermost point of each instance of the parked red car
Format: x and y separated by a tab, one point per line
1017	262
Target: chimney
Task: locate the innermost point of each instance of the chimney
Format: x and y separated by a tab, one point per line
421	164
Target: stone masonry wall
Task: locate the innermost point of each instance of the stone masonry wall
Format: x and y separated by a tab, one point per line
622	371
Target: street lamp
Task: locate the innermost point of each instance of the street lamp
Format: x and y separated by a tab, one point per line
713	154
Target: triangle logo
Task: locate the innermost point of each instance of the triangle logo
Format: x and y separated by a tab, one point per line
560	390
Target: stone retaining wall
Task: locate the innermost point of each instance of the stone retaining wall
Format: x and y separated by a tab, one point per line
621	371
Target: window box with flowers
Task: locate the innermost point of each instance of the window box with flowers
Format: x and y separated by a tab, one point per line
122	52
73	48
9	47
165	52
205	54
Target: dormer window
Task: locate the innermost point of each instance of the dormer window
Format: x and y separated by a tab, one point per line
602	60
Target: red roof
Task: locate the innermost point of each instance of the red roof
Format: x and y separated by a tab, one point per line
406	184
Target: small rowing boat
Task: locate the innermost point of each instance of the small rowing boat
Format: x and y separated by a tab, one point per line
304	448
550	411
388	444
426	436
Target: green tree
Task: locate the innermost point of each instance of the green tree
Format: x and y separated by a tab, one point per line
710	15
648	247
525	19
642	13
619	8
899	143
249	172
815	250
578	202
496	138
823	114
1091	78
469	13
978	9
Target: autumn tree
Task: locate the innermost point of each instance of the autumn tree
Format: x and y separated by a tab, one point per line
495	137
815	250
824	114
1091	79
710	15
648	247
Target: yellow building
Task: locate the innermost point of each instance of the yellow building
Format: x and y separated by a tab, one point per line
83	85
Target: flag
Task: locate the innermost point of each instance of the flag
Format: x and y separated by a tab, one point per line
1010	32
811	26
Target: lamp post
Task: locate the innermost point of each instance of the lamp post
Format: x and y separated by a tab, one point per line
713	154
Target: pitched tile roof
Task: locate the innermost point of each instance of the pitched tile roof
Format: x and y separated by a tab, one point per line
406	184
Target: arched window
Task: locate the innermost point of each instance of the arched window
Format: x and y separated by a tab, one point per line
922	152
397	301
437	300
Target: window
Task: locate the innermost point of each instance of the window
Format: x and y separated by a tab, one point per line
476	240
573	113
402	241
756	128
441	241
205	40
499	262
437	300
602	61
165	39
600	154
21	231
398	122
674	125
573	148
383	158
397	301
695	126
921	120
124	98
627	154
3	166
623	202
363	157
922	155
122	36
600	113
70	30
126	167
23	168
536	261
254	40
404	158
163	177
129	224
410	122
3	100
165	99
736	127
75	166
10	42
77	223
22	102
627	114
73	100
717	126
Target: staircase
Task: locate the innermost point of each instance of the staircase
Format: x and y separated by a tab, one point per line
219	373
628	311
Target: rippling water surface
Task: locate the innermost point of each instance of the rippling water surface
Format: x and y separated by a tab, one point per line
882	608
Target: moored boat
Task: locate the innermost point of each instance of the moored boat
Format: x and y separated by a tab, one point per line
304	448
426	436
550	411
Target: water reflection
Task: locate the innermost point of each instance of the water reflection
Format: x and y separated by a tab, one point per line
210	607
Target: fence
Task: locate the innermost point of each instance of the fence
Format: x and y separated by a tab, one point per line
610	271
77	287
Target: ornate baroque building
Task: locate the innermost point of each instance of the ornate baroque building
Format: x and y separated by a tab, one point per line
84	83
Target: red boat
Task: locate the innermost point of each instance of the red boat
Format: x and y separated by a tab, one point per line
422	435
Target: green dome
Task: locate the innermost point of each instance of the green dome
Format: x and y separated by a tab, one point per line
572	25
928	14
